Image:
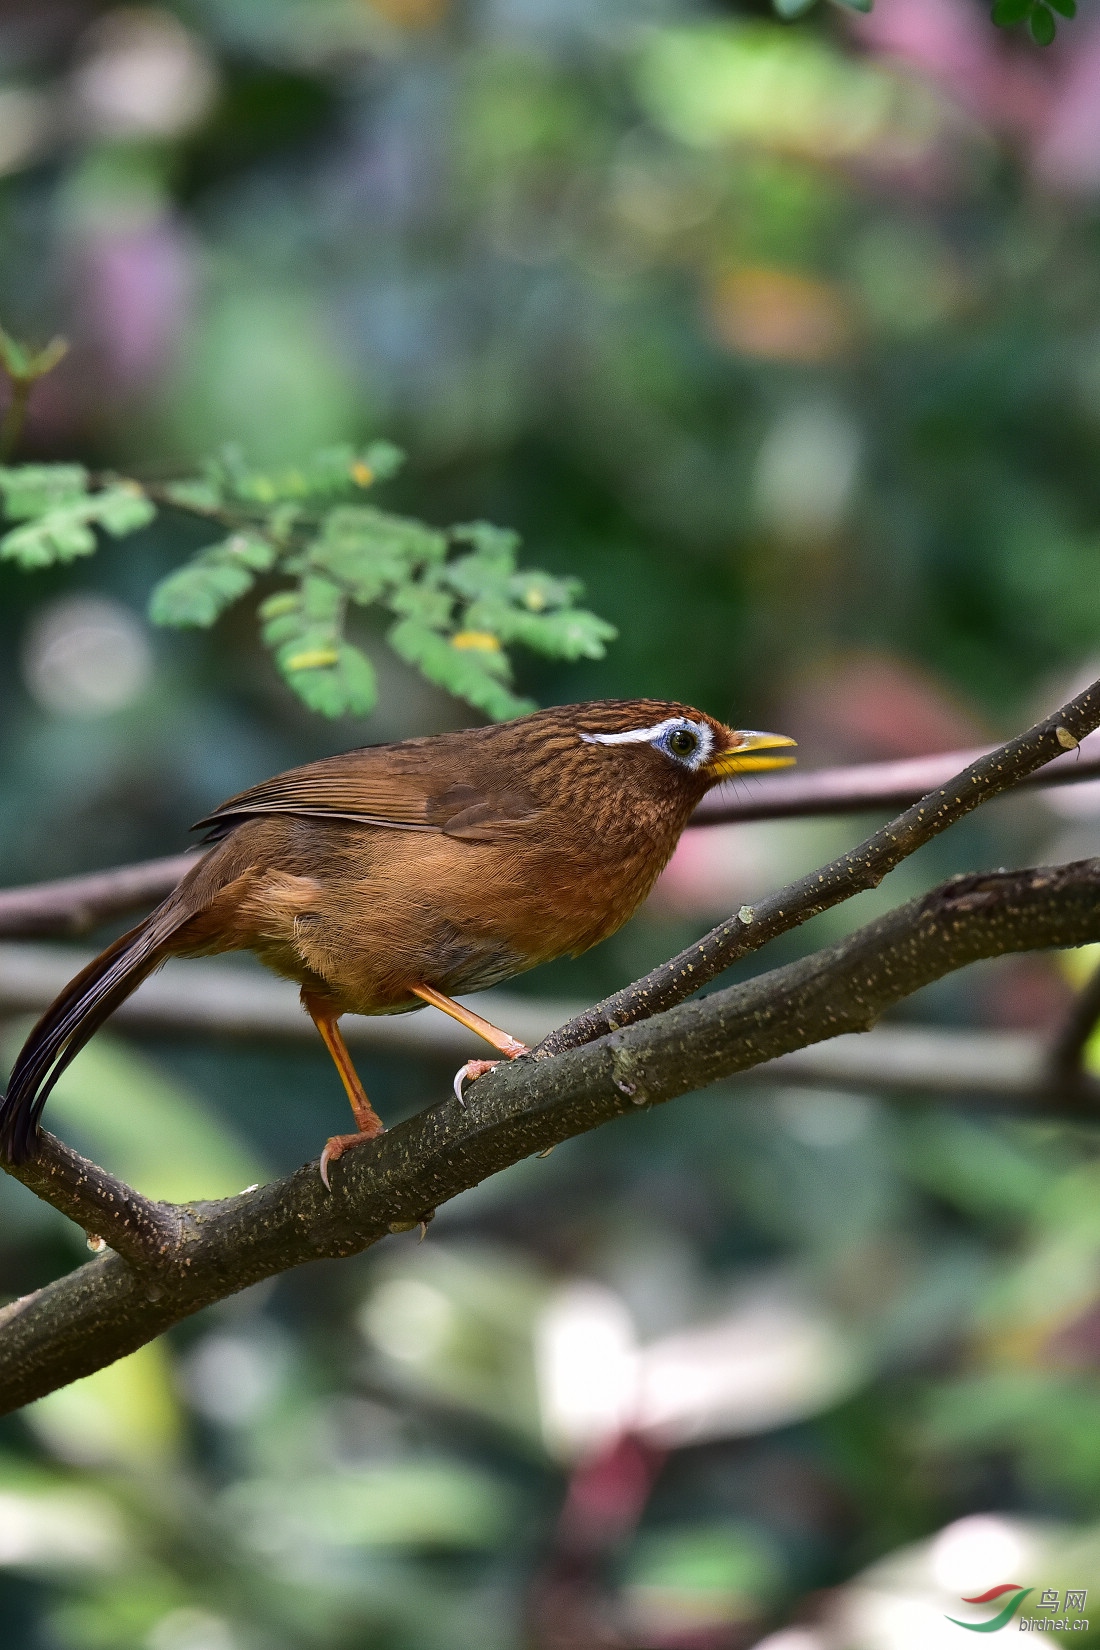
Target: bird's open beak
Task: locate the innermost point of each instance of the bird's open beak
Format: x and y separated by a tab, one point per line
748	756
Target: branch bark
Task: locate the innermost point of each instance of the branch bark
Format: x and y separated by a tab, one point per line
112	1305
142	1232
219	998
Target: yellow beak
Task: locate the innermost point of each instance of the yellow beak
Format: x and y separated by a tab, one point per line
747	757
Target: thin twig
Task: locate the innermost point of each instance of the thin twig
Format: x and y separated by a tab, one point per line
77	905
867	787
859	869
105	1308
23	367
15	416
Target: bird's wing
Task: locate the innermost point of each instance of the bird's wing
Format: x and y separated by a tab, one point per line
402	787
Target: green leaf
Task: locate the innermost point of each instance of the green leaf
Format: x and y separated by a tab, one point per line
470	673
426	603
65	531
497	543
24	364
198	594
1008	12
13	356
194	495
788	10
305	630
122	509
855	5
34	489
322	600
49	540
539	591
561	633
370	551
1042	25
476	575
1068	8
326	474
573	633
346	687
383	459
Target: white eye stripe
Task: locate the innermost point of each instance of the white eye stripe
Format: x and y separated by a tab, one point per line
659	732
637	736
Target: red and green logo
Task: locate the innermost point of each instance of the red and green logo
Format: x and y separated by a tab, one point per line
1004	1614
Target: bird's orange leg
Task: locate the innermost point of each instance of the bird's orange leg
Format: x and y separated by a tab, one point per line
510	1047
368	1120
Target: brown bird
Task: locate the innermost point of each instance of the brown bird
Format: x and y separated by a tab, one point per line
399	875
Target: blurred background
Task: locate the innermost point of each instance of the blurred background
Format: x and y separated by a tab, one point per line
786	339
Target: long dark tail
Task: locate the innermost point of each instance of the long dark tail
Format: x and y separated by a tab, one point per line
69	1022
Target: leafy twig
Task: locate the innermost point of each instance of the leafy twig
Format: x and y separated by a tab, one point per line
24	367
456	598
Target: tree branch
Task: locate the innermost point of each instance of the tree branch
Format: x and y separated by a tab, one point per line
142	1232
867	787
219	998
110	1306
853	872
77	905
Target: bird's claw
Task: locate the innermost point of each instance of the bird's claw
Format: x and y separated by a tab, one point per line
469	1073
339	1144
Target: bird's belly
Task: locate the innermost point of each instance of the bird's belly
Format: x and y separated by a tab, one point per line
431	911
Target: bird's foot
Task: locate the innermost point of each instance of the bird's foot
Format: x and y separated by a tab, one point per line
473	1069
469	1073
341	1143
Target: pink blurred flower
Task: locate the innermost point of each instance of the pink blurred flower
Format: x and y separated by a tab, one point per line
135	284
1067	156
954	44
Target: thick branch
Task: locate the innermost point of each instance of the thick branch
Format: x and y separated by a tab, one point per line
106	1308
859	869
219	998
142	1232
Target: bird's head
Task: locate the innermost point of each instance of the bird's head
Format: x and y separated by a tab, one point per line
671	749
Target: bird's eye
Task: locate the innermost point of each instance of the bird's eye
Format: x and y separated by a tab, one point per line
682	742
